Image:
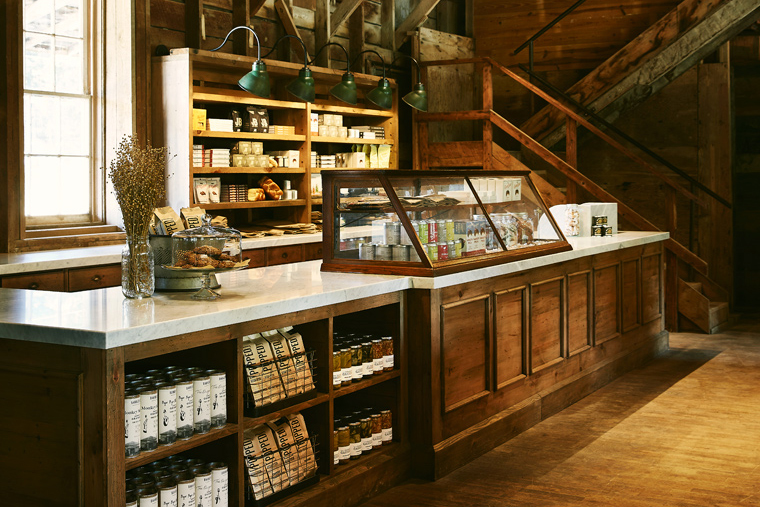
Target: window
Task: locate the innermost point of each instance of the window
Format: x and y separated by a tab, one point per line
62	180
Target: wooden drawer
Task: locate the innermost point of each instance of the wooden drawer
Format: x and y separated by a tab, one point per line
96	277
47	280
284	254
312	251
258	257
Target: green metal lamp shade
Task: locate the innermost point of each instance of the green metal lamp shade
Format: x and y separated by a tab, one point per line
303	86
382	96
417	98
345	90
256	82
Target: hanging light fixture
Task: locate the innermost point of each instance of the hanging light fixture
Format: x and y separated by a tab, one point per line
417	98
303	86
382	96
256	82
346	89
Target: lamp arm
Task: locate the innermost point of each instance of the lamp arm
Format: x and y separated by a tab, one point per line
371	51
416	63
258	43
348	63
303	45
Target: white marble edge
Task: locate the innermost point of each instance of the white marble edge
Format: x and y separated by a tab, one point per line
104	319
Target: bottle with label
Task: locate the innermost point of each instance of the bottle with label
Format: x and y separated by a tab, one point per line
387	425
336	370
387	342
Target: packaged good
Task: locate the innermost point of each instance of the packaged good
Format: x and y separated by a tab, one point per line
200	190
383	156
285	366
303	444
168	221
301	361
254	463
199	119
214	189
263	379
191	217
251	119
288	452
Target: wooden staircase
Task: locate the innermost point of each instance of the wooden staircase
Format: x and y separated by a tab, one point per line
487	154
695	308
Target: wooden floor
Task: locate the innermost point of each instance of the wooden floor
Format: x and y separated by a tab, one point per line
684	430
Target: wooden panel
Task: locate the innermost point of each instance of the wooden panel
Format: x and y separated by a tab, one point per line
49	280
258	257
284	254
606	303
465	351
509	336
546	324
650	287
94	277
312	251
631	294
41	425
578	312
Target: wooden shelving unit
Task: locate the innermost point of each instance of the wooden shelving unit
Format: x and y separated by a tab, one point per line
189	78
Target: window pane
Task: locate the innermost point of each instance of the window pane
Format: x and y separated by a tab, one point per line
38	16
59	185
75	126
68	65
42	123
68	18
39	62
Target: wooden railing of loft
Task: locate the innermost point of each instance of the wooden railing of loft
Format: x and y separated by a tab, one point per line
675	251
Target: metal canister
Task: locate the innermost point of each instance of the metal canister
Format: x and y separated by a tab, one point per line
384	252
131	423
432	251
422	232
401	252
185	488
392	233
167	492
218	398
441	226
148	418
167	413
184	387
203	486
432	231
201	402
367	251
443	251
452	250
220	484
449	229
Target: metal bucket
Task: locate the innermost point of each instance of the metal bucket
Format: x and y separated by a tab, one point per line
169	279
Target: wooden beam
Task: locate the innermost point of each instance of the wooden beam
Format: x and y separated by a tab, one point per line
241	16
341	13
193	23
388	24
415	19
255	5
286	17
356	39
322	32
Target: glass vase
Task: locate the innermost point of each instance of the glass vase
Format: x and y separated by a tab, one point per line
137	279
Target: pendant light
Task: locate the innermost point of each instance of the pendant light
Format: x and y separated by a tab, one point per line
382	95
346	89
256	82
417	98
303	86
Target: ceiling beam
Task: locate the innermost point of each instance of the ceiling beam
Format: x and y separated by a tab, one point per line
290	26
415	19
255	6
342	13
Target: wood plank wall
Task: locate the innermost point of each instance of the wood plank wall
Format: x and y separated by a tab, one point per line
583	40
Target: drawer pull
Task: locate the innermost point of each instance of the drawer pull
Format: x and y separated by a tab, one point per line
34	286
285	255
96	278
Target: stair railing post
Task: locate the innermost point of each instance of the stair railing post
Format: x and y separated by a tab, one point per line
530	78
487	75
571	157
671	265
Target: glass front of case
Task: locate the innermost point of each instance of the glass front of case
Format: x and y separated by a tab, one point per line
436	219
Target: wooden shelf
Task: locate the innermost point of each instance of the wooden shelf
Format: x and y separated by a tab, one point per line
249	170
349	140
256	204
209	95
373	381
250	422
179	446
316	170
390	209
385	452
316	201
351	111
247	135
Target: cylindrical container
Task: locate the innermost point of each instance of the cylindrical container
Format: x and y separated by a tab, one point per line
365	424
167	493
336	454
201	403
220	484
458	248
185	488
184	387
218	398
443	251
432	251
344	444
131	423
401	252
356	362
387	342
367	251
131	498
337	374
377	430
147	494
367	363
452	250
387	424
449	229
441	225
377	356
345	366
149	419
422	231
392	233
432	231
355	434
203	486
167	408
384	252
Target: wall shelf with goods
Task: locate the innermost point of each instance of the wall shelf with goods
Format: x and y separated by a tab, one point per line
250	378
190	79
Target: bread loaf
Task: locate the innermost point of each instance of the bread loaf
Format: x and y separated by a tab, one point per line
271	189
256	194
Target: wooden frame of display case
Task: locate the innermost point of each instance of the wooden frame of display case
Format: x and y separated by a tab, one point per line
192	77
425	267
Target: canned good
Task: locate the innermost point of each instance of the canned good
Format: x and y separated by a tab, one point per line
149	418
384	252
392	233
367	251
449	230
167	492
452	250
218	398
185	488
422	231
204	484
184	389
441	226
432	231
201	402
432	251
401	252
220	484
131	423
167	406
443	251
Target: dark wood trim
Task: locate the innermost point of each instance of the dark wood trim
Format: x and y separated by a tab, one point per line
11	128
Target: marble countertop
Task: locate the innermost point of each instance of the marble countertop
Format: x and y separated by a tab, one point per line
104	319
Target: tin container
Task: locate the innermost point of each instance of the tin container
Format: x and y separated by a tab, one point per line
220	484
367	251
203	486
201	403
432	251
384	252
185	488
432	231
218	398
422	231
443	251
167	410
148	418
449	229
131	423
392	233
184	389
167	492
401	252
441	226
453	250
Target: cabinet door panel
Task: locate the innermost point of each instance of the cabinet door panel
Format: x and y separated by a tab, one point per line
94	277
284	255
546	327
50	280
510	335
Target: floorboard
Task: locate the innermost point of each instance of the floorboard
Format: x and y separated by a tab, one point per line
684	430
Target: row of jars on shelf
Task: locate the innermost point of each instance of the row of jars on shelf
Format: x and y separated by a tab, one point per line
359	432
357	358
163	405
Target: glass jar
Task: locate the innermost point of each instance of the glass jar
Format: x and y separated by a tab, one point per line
355	435
184	388
387	425
344	444
148	418
137	280
387	342
336	453
345	366
377	430
365	424
356	362
131	423
336	369
367	363
218	398
377	356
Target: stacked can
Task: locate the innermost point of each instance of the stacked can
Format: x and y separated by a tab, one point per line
178	481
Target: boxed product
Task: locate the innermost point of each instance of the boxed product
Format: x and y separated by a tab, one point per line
199	119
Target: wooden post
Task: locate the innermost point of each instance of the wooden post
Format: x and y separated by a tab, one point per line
487	84
671	291
322	31
571	157
193	23
241	16
671	210
388	20
356	40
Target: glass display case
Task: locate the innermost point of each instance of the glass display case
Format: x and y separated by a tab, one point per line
428	223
